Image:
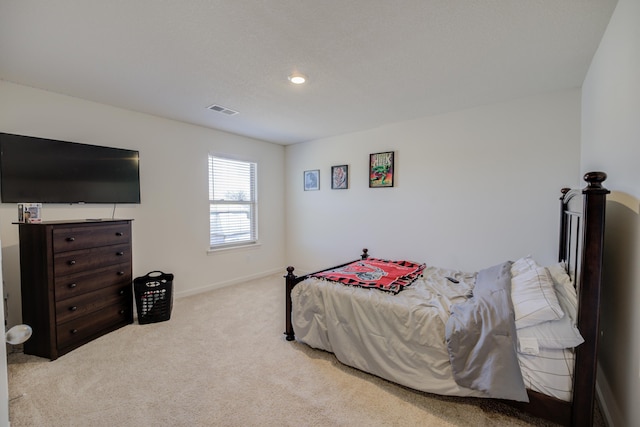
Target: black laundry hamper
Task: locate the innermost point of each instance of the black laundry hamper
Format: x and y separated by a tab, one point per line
154	297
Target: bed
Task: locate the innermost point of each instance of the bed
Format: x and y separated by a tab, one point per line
421	331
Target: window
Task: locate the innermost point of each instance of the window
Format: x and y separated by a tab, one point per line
232	202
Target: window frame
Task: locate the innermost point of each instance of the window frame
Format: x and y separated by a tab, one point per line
252	202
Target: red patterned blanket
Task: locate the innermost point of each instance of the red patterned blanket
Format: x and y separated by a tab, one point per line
390	276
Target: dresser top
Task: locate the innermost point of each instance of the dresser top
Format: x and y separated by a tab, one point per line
76	221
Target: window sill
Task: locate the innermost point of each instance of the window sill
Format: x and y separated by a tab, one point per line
243	247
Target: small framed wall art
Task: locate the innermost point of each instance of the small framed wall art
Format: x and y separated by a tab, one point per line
381	170
312	180
340	177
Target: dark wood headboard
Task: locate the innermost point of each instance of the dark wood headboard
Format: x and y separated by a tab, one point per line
582	221
587	272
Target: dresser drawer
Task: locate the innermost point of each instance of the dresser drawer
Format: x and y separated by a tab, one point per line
84	328
72	285
83	237
90	259
72	308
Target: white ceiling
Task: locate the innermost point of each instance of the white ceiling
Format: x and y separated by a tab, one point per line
369	62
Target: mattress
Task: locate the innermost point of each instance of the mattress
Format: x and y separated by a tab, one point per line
549	372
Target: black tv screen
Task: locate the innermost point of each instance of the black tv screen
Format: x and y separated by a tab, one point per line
43	170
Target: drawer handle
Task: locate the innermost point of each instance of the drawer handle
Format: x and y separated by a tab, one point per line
72	262
120	273
71	239
74	331
73	285
121	292
119	234
74	308
121	311
119	253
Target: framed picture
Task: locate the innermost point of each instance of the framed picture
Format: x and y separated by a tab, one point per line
340	177
312	180
381	170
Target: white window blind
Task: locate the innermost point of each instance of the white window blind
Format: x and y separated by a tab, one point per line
232	202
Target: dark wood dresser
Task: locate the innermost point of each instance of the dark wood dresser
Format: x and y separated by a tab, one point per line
76	282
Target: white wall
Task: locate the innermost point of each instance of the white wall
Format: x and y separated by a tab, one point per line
474	187
611	142
170	227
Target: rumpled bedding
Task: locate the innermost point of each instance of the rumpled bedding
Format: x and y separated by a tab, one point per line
400	337
481	338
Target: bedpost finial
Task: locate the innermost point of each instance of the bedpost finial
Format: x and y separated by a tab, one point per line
365	253
595	179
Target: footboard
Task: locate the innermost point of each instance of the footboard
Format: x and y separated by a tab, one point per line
291	280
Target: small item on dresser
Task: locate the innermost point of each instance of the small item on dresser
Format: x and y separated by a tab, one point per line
30	212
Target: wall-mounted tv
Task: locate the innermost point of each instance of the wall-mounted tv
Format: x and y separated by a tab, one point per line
43	170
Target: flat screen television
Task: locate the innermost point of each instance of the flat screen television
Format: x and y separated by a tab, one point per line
43	170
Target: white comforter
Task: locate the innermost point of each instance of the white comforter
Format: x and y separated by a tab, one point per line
353	323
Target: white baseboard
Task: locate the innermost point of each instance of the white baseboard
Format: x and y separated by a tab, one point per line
608	405
234	281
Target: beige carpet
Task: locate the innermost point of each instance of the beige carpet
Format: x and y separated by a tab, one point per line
222	360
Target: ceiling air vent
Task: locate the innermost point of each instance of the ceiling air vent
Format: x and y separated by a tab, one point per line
222	110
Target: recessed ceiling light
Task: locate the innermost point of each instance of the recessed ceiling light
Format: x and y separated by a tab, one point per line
297	78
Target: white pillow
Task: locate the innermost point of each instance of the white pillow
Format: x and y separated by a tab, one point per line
523	265
565	290
553	334
557	334
534	298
